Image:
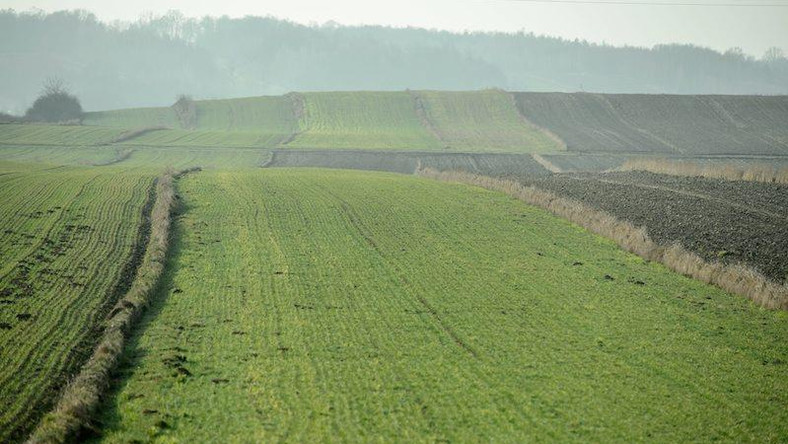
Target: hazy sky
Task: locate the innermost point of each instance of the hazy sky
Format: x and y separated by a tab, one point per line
720	27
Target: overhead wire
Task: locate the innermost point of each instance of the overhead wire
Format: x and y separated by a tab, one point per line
652	3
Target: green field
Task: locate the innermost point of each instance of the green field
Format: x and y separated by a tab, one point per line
307	306
58	135
249	122
186	138
149	159
482	121
66	236
61	155
368	120
133	118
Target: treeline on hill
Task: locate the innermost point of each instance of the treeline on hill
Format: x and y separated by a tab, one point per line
151	60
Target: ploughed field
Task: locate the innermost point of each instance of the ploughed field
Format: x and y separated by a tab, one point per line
312	305
67	243
721	220
664	124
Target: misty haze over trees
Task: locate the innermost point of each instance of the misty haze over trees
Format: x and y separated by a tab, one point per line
151	61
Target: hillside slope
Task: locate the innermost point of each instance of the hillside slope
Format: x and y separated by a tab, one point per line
471	121
362	120
662	124
480	121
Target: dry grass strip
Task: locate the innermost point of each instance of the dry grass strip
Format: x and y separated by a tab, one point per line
760	172
83	394
737	279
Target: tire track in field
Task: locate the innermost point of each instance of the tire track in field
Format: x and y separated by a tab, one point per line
355	220
368	238
477	372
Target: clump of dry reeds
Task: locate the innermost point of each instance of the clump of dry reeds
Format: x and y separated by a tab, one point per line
737	279
82	395
759	172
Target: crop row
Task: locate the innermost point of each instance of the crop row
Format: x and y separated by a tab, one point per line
66	237
60	135
315	305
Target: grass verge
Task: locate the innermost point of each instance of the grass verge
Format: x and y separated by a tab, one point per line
760	172
736	279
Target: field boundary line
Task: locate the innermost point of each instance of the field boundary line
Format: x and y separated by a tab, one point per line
422	113
82	395
119	157
549	166
524	119
133	134
761	172
299	109
738	279
355	220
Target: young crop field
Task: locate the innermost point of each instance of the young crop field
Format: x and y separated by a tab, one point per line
314	305
187	138
149	159
62	155
57	135
133	118
481	121
183	157
66	247
276	115
369	120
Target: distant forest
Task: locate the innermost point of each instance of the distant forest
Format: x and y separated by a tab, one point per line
151	61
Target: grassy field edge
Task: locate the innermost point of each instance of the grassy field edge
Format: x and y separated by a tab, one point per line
82	395
756	172
737	279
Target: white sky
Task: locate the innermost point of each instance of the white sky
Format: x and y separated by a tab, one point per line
752	28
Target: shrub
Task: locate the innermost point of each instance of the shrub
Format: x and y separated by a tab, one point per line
186	110
55	104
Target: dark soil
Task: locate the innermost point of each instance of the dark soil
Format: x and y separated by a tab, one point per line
727	221
661	124
407	162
